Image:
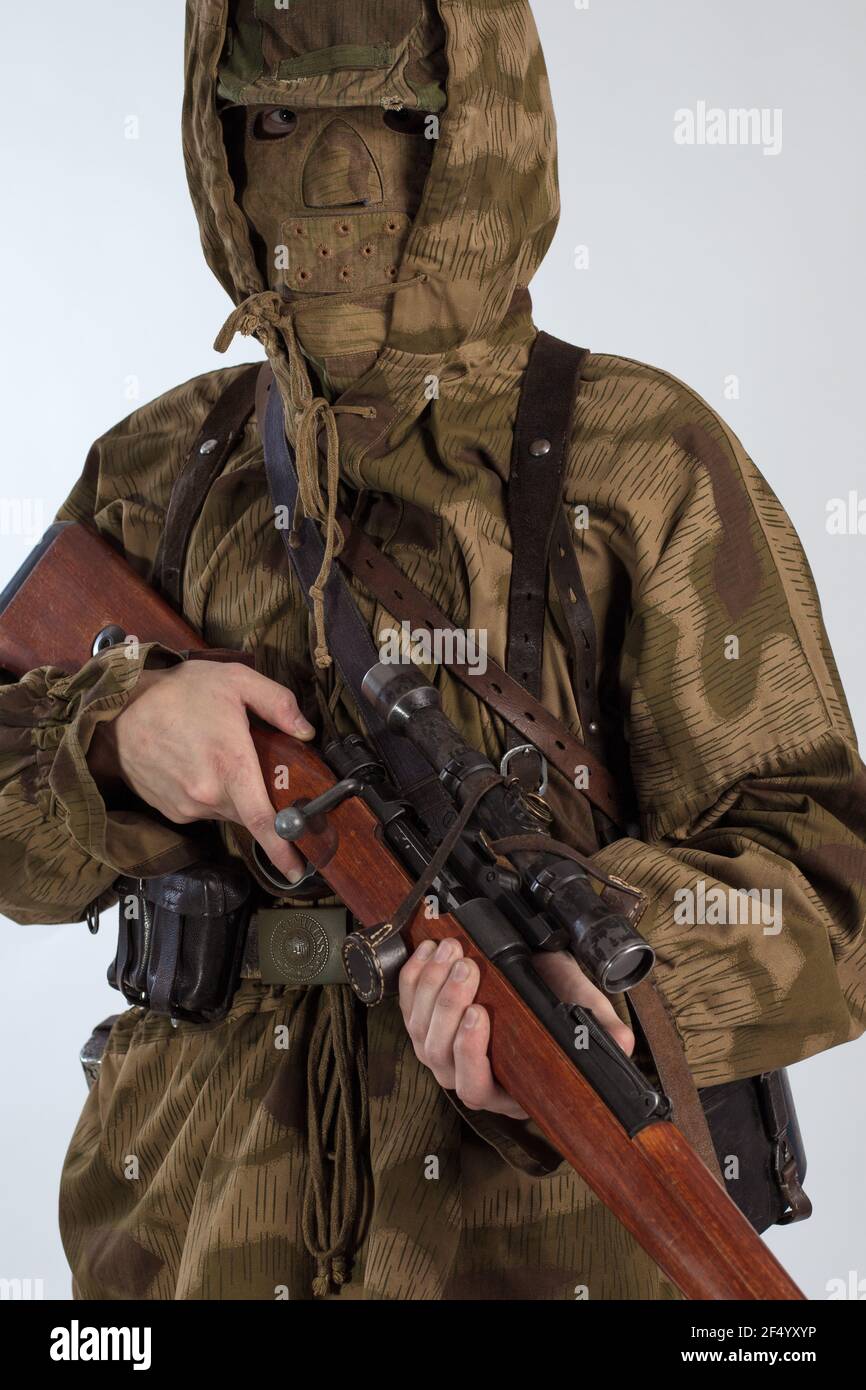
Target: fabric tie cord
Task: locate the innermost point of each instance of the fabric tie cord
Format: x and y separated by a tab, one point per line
270	317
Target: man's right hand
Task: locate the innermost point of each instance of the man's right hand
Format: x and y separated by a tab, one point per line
183	744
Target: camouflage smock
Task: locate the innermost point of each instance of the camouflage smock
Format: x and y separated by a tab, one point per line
746	770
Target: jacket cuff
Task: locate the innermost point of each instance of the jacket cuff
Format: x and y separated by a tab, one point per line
65	718
519	1142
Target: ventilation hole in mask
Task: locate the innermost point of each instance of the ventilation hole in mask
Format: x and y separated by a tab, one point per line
391	272
343	229
367	250
298	229
325	252
303	276
391	226
345	273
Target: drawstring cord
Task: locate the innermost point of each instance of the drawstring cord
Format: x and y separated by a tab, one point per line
336	1196
271	318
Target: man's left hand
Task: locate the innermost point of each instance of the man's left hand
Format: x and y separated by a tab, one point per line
451	1033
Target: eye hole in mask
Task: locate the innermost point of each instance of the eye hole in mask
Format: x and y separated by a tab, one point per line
275	123
279	121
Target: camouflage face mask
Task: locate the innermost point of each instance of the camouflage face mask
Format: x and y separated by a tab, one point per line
331	194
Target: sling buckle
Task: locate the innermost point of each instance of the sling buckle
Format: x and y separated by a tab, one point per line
523	750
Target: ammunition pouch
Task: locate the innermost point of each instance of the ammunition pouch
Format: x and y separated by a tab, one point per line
181	938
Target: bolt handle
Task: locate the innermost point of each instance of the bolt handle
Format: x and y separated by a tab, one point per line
293	822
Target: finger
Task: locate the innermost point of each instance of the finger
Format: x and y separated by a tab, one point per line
568	981
250	806
606	1015
474	1082
410	974
452	1001
274	703
431	979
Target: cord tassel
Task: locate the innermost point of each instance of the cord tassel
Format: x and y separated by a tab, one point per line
336	1190
271	318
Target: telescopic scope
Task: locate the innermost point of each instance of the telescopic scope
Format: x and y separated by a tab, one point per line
603	942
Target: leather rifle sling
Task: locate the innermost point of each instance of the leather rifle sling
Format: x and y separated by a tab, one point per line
349	638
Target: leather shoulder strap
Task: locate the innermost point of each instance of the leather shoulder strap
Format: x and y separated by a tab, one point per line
205	461
542	541
541	439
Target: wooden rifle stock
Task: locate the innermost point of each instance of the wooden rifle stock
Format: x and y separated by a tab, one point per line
74	586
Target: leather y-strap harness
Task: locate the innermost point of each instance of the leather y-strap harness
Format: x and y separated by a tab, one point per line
536	520
542	544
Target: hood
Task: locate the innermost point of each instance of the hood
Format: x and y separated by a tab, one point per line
428	425
491	201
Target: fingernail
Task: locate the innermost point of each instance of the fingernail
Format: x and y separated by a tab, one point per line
425	950
303	728
470	1018
460	971
444	950
295	875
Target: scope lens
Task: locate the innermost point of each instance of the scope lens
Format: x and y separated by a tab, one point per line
628	968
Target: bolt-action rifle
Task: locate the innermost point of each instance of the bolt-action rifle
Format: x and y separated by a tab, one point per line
504	890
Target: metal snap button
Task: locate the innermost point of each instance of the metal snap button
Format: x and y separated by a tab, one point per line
539	448
208	446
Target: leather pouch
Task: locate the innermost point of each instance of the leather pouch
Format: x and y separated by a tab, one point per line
757	1137
181	938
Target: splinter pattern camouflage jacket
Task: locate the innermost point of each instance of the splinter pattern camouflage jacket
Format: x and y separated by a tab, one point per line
746	771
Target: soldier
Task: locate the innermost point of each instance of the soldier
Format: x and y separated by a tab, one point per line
376	185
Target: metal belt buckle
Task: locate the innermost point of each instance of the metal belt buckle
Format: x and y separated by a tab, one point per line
541	785
301	945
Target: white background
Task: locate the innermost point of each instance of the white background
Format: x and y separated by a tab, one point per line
707	261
